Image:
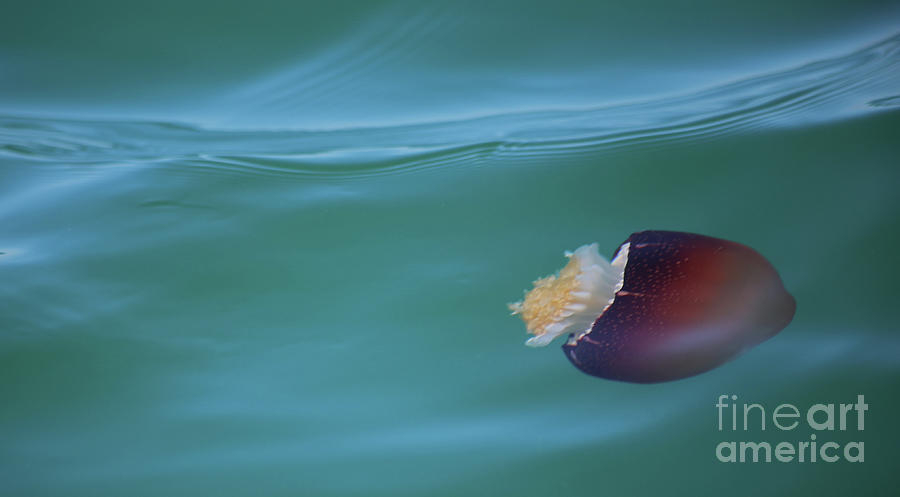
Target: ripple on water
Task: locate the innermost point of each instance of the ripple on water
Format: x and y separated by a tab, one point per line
819	91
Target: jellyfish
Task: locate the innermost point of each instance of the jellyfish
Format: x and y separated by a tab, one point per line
669	305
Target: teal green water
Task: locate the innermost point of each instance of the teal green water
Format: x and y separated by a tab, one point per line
266	249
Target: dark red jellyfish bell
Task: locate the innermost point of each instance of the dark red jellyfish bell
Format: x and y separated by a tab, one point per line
669	305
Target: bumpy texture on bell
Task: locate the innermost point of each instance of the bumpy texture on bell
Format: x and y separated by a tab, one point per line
688	303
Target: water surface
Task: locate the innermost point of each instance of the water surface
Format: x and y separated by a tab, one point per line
266	249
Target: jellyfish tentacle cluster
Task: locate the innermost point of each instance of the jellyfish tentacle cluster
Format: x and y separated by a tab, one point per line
572	299
670	305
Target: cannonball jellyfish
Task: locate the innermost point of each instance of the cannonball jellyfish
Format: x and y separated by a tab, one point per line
668	306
